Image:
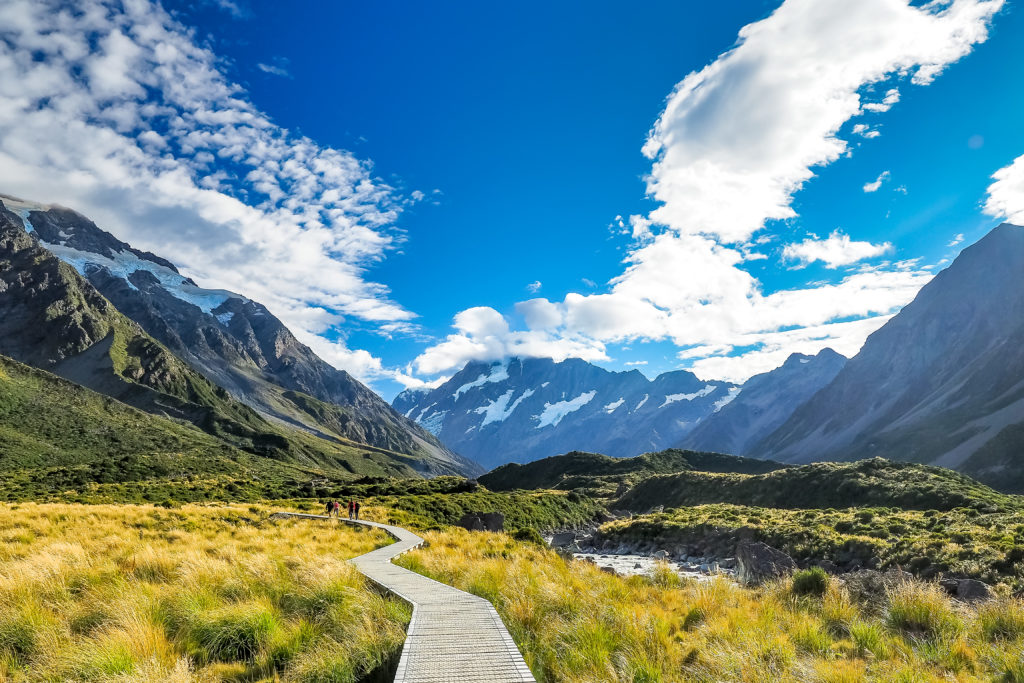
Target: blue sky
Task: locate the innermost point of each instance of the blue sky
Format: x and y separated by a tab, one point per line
490	147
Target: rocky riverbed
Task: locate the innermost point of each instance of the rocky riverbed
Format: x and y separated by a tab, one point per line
628	564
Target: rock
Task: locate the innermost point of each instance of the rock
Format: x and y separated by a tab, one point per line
871	588
482	521
759	562
586	541
573	548
638	566
563	539
713	567
608	570
972	589
950	585
660	555
728	563
829	566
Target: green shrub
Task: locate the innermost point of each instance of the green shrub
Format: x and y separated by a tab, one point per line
1002	620
922	610
234	633
813	581
528	535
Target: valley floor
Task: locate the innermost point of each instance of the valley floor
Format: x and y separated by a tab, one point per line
219	593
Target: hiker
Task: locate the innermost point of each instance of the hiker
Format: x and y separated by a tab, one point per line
330	506
351	509
337	509
357	510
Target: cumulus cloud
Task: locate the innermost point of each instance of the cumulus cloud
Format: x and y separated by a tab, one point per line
738	138
836	250
875	184
1006	194
735	142
113	109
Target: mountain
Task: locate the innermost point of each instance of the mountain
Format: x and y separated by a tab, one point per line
942	382
767	401
875	482
520	410
234	343
593	471
61	440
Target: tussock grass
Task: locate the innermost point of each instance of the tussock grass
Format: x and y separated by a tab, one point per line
202	593
575	623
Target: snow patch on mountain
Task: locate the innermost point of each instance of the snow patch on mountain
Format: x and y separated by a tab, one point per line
499	373
642	402
125	263
554	412
613	406
498	410
433	422
673	398
23	209
727	399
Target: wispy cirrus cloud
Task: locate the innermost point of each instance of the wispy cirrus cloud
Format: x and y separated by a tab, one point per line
114	109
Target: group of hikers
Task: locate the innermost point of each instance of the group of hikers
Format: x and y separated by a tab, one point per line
334	509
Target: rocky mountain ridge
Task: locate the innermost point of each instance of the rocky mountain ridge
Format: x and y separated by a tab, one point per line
234	345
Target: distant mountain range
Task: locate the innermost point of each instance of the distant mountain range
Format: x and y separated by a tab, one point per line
77	302
524	409
940	383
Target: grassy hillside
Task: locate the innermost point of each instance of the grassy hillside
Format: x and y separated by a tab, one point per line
874	482
198	595
603	475
576	624
984	545
61	441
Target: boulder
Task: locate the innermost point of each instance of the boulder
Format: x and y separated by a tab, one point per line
660	555
759	562
971	589
482	521
563	539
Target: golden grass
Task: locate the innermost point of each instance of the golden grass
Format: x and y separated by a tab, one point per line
202	593
575	623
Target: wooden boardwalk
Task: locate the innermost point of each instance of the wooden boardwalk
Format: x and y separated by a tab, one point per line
454	637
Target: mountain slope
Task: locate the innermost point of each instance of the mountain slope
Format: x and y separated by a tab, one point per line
592	470
942	382
866	483
57	437
767	401
234	342
524	409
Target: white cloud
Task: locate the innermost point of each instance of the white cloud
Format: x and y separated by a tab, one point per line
534	287
738	138
636	362
278	68
114	110
892	96
957	239
1006	194
874	185
735	142
836	250
865	131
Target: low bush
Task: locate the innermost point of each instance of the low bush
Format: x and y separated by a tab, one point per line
813	581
